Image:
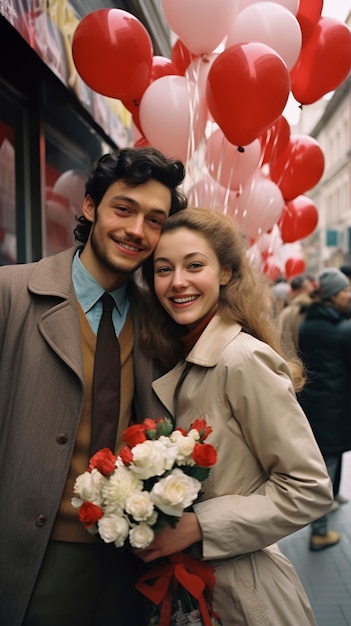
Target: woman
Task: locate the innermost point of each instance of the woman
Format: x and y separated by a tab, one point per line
270	479
325	347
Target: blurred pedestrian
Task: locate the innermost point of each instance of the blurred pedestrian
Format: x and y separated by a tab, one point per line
291	316
325	347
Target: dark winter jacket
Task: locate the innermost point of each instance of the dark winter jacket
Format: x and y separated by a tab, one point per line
325	348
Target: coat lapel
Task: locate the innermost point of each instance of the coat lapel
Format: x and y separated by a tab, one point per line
51	282
205	353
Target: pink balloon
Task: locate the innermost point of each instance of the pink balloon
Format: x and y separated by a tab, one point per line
200	24
271	24
291	5
171	117
227	164
259	206
207	193
71	186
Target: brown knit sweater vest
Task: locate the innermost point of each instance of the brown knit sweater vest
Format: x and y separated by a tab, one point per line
67	526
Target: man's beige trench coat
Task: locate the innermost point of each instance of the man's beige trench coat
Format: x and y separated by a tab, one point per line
269	480
41	395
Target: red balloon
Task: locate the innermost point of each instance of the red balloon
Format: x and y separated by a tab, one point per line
324	61
308	14
294	266
112	52
141	143
161	66
181	57
133	108
275	139
247	90
299	167
298	220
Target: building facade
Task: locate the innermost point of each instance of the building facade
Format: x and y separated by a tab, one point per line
329	122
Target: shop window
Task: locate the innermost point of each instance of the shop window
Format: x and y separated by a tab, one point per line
65	175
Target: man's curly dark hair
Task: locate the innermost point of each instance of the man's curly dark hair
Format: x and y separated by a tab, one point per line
135	166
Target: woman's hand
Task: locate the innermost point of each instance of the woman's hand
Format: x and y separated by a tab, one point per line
170	540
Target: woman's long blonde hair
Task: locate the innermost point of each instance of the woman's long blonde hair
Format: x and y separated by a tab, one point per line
245	299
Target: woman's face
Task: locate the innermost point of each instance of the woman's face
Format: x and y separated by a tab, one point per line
187	276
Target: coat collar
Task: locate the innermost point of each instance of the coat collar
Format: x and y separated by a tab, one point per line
52	276
206	353
212	342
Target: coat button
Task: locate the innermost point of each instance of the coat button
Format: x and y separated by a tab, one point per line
62	438
40	520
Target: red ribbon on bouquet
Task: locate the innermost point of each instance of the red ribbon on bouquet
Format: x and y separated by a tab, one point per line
194	575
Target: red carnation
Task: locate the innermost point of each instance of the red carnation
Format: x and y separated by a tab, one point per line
104	460
89	514
203	429
126	455
204	454
134	434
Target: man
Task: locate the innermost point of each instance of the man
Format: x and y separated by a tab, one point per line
291	316
53	572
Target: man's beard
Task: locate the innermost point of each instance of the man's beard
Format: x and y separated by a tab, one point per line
104	259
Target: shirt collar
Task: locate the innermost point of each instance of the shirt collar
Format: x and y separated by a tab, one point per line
89	291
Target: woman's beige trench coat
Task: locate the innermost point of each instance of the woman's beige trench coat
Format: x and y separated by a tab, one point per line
269	480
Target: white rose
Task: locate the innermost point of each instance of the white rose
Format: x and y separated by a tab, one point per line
140	506
194	434
114	529
175	492
141	536
88	488
151	521
152	458
119	486
185	448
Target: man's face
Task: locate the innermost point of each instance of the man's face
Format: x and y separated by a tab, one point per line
125	230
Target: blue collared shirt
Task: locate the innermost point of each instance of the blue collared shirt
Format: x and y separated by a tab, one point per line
89	292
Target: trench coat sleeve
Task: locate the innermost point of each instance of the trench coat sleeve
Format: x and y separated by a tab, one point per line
277	436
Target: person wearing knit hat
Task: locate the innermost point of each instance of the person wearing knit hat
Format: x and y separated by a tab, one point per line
331	281
325	349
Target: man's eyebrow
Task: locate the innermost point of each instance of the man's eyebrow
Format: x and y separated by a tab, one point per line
124	198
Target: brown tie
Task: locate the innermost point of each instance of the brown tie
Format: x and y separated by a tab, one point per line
106	382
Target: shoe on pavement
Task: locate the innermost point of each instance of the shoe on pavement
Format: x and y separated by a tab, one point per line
321	542
334	507
341	499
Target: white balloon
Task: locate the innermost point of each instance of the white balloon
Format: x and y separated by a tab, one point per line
172	117
291	5
200	24
271	24
259	206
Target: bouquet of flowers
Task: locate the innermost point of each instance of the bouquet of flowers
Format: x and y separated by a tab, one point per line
125	499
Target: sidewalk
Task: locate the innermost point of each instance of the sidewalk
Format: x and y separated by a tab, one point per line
326	575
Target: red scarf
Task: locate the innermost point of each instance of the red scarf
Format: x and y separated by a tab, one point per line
190	338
